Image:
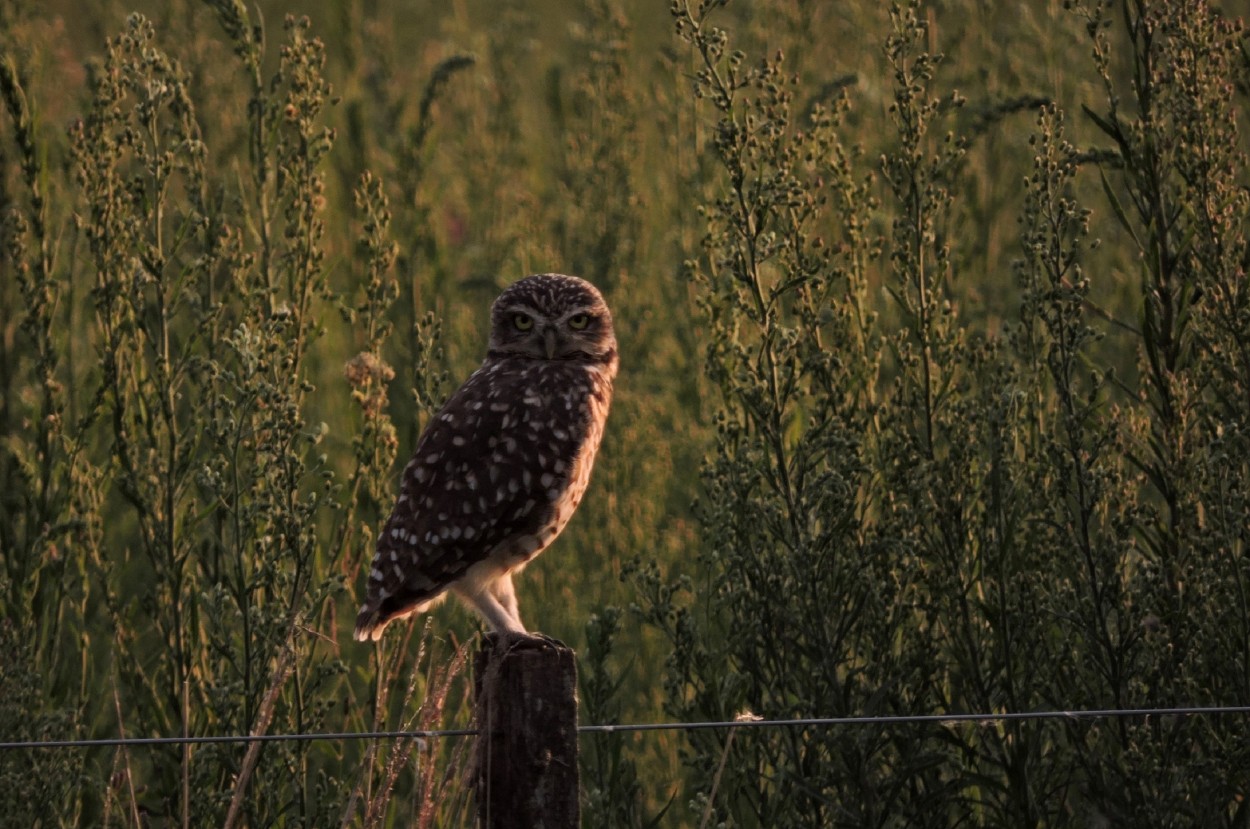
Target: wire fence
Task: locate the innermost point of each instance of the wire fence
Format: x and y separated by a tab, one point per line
747	721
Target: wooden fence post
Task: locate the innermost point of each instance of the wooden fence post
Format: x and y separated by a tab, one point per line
526	753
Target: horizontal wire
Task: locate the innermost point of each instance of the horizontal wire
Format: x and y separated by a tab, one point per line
922	719
898	719
240	738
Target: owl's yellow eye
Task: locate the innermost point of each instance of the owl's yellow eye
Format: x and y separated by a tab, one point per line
522	322
579	321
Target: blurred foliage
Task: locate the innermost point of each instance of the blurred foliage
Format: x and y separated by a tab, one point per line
935	398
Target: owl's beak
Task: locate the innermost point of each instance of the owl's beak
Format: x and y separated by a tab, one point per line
549	341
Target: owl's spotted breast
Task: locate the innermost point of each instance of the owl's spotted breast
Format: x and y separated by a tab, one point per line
588	397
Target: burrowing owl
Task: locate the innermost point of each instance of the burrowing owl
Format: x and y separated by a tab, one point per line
500	469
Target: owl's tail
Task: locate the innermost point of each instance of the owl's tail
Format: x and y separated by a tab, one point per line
374	617
369	625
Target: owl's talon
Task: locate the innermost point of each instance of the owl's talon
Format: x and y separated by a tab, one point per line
543	640
514	640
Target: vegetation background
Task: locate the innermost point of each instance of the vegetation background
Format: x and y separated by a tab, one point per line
935	335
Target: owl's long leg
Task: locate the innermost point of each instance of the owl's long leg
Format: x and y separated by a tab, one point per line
492	609
506	594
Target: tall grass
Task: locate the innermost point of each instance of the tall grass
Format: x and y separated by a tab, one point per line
933	322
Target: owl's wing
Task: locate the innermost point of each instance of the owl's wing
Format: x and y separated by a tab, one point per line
485	472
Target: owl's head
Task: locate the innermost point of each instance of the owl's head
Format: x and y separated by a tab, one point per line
550	316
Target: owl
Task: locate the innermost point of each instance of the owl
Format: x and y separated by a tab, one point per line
498	472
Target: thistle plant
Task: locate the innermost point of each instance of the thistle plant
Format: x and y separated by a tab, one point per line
780	284
1004	504
212	590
